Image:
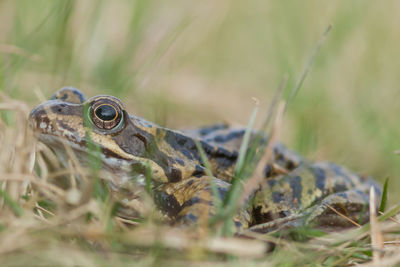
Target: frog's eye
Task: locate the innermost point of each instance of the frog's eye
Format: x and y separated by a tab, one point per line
106	115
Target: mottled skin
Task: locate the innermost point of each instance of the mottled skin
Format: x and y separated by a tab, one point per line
130	145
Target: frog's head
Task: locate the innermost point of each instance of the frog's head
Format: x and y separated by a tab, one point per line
70	122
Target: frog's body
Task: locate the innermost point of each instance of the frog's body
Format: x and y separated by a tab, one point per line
130	146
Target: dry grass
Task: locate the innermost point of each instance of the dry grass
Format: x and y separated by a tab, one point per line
46	216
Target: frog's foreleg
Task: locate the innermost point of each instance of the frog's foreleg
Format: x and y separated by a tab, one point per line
191	201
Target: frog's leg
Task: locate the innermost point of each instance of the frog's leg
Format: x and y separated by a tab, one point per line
336	211
340	210
191	201
307	195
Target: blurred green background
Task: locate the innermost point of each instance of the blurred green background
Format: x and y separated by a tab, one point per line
186	63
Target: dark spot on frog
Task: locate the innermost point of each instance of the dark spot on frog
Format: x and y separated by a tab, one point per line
283	214
191	202
187	154
199	171
268	170
80	96
224	162
277	197
238	224
210	129
260	217
279	157
65	126
61	108
228	137
290	165
167	203
297	188
182	143
187	218
180	162
320	178
195	200
223	157
174	175
271	182
339	187
191	217
187	147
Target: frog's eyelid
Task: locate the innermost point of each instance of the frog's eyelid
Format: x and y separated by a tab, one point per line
69	94
106	98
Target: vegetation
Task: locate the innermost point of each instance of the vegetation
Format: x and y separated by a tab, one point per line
184	64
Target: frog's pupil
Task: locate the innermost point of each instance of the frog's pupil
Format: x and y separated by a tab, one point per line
106	113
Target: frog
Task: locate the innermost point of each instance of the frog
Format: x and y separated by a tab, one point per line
294	191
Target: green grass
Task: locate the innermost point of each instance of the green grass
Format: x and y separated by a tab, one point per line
184	64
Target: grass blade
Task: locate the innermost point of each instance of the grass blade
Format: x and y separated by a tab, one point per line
206	163
382	207
15	207
308	65
246	140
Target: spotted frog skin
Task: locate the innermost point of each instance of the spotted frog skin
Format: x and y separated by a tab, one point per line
294	191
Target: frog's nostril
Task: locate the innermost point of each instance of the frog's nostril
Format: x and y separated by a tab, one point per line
61	107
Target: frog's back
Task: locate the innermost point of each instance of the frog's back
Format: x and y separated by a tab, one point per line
231	138
296	187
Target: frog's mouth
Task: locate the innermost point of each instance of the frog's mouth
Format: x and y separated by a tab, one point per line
53	135
66	145
45	122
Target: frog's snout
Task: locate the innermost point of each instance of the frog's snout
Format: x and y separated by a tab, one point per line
38	119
